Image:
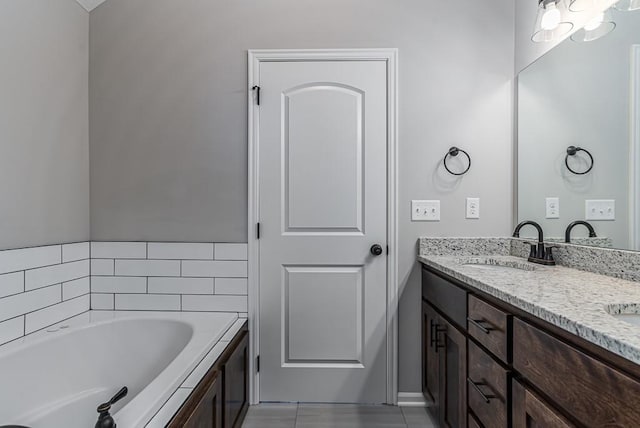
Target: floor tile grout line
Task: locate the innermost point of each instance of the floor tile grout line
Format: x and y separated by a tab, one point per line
404	417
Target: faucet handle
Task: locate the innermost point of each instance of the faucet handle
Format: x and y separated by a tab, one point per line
533	252
105	420
548	254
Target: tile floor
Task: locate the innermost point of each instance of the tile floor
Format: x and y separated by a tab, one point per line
336	416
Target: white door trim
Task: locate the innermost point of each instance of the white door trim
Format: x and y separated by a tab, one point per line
634	166
255	57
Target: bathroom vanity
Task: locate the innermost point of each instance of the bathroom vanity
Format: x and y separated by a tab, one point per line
221	398
509	344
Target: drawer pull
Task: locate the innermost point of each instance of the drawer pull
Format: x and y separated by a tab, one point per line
476	386
478	323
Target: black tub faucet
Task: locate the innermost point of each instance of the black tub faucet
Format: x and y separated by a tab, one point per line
539	254
567	233
105	420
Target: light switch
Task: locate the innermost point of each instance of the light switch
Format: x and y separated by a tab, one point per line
600	209
425	210
473	208
553	207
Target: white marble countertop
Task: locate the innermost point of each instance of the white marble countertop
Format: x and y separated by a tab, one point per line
573	300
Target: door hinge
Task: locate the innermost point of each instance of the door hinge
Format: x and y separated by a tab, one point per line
258	231
257	91
258	364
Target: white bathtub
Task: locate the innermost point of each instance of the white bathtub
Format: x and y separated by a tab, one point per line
57	377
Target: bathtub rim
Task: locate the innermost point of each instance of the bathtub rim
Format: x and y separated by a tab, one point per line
143	408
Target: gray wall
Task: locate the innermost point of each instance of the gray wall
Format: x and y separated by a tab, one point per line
44	146
578	94
168	116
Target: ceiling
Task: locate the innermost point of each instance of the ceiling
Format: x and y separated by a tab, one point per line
90	4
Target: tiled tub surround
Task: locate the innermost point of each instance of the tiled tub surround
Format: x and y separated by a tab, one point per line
203	277
41	286
574	300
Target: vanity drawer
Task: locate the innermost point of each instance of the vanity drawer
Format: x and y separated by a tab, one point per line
490	326
488	386
446	296
592	392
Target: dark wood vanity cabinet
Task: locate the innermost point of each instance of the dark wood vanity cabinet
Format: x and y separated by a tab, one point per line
451	346
512	369
430	363
590	390
444	359
236	384
221	399
208	410
531	411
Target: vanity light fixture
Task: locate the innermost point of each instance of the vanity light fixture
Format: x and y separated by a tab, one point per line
549	24
582	5
598	27
627	5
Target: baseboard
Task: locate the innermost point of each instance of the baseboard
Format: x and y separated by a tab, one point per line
411	399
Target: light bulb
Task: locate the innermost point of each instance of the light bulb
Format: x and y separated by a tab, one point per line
551	18
594	23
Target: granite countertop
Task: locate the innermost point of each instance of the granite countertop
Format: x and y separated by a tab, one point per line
577	301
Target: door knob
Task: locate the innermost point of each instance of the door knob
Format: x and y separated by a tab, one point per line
376	249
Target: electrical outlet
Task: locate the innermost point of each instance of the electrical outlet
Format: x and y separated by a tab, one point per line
600	209
473	207
553	207
425	210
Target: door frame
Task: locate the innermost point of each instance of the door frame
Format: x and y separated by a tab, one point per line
255	58
634	164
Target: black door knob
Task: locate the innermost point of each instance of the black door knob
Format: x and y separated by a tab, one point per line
376	249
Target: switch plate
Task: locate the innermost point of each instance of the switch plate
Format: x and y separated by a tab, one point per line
600	209
473	207
425	210
553	207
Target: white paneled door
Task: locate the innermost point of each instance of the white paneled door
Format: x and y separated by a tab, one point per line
322	178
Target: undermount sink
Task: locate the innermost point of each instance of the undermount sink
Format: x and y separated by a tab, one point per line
495	264
628	313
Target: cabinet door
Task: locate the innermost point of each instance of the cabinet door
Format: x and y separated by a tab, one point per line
236	384
208	412
430	376
531	412
453	375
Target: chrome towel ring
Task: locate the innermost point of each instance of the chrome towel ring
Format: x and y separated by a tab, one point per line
453	152
572	151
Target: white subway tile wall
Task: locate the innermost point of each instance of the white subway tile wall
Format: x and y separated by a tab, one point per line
156	276
41	286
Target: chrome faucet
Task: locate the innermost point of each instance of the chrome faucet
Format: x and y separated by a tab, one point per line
567	233
539	254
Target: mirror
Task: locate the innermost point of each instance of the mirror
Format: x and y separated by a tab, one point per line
585	95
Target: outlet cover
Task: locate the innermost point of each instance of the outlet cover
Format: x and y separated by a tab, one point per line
600	209
425	210
473	208
552	207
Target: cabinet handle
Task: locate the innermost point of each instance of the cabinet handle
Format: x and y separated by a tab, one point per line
478	323
476	386
439	330
431	334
